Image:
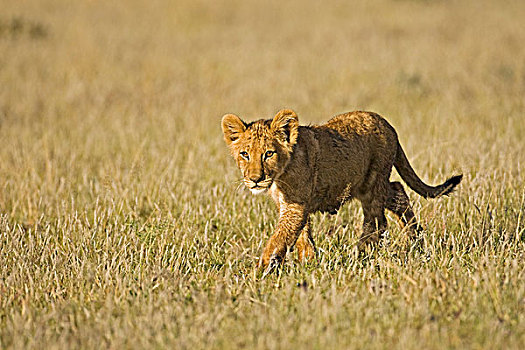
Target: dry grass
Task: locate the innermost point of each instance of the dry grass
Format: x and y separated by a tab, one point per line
120	220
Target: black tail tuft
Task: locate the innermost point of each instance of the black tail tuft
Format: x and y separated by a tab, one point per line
448	186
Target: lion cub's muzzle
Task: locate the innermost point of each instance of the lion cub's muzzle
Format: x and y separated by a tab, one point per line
259	186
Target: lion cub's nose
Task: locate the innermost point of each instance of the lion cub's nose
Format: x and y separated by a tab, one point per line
255	178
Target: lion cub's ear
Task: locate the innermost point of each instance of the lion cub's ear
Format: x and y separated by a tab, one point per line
286	125
232	127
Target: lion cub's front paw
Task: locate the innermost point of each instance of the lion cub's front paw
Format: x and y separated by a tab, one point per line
305	250
270	263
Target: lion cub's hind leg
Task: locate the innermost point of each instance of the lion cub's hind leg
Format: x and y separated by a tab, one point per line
305	245
399	204
374	221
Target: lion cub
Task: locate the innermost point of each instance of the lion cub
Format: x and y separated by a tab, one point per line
318	168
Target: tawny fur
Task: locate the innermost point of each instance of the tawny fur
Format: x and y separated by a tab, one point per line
318	168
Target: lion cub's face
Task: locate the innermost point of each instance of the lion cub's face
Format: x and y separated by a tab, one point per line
263	148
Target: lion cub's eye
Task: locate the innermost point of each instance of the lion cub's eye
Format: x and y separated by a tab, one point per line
245	155
269	154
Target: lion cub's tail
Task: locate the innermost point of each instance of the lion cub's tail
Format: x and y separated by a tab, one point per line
414	182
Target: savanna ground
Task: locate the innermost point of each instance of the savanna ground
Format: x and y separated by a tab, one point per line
122	220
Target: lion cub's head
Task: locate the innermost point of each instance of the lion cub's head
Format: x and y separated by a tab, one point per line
262	148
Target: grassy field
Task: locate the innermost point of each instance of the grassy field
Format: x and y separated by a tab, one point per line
122	222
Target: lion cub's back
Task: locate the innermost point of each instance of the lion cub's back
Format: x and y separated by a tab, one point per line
360	123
